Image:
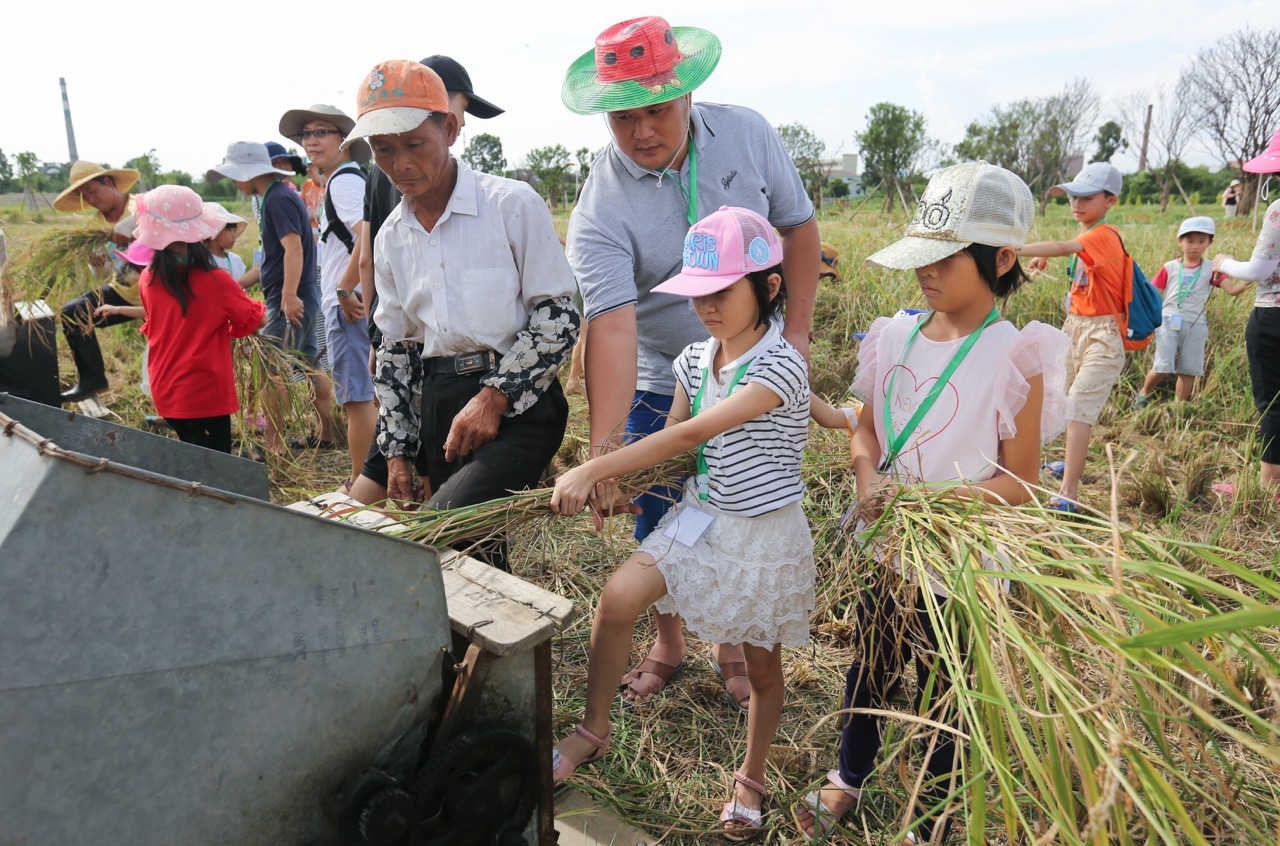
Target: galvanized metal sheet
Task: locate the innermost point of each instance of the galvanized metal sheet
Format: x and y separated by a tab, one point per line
197	669
135	448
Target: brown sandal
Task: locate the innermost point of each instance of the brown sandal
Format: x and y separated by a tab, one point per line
732	670
664	672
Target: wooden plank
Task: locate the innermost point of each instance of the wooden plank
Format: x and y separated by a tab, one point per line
499	611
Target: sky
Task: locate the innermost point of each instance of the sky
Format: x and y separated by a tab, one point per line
186	81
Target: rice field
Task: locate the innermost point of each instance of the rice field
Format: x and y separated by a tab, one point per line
1124	690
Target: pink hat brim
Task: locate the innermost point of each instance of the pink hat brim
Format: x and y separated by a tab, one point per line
157	237
688	285
1268	162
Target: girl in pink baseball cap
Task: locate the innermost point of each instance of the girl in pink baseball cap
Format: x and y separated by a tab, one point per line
735	557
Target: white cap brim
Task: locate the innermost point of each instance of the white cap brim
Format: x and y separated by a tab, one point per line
242	173
392	120
913	251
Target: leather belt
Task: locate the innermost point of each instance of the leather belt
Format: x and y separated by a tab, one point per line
461	365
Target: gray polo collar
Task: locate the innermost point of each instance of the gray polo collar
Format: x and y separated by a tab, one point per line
703	134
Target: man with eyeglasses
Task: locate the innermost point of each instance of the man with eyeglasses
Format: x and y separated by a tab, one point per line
320	129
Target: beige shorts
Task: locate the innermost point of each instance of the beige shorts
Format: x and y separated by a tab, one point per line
1095	360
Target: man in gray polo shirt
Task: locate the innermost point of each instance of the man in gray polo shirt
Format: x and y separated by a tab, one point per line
670	162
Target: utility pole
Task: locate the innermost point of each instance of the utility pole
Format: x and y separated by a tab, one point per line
1146	136
66	112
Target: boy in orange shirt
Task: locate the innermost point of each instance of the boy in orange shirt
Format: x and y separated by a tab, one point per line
1098	275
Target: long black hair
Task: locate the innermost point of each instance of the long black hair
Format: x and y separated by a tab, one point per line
172	271
984	256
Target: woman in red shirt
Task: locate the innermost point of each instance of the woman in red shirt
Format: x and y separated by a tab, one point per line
193	311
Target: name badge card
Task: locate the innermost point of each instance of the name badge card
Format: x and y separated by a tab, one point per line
689	525
1175	322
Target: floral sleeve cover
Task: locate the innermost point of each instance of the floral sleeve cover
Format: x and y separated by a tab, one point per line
398	385
528	368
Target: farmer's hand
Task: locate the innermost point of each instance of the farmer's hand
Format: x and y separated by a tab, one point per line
291	307
1038	264
401	487
476	424
106	311
353	308
573	489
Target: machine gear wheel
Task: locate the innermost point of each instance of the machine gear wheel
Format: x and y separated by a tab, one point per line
388	818
480	788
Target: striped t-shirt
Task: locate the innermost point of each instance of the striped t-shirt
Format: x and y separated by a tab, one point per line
754	467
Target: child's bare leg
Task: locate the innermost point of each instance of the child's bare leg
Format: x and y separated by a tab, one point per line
1186	384
633	587
764	671
1152	382
1270	474
323	387
1077	449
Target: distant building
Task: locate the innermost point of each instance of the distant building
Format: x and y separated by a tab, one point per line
51	168
844	168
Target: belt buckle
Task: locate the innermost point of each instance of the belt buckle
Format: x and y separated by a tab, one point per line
472	363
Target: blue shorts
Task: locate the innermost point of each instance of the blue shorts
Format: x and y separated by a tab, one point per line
648	415
349	347
300	340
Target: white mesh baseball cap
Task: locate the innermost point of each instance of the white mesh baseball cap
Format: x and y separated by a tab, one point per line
970	203
1198	224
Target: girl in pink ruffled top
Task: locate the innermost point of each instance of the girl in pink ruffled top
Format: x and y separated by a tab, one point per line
956	398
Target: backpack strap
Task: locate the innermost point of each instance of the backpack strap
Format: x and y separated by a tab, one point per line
335	224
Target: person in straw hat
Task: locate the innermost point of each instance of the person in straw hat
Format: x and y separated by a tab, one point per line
320	130
668	163
107	192
1262	334
475	307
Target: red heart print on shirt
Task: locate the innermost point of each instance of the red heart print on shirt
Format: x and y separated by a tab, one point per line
909	393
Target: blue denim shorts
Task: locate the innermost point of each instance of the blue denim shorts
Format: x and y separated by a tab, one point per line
348	357
301	340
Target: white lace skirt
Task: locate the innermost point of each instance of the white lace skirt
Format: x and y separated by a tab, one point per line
746	580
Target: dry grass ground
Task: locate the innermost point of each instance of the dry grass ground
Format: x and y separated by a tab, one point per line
1080	733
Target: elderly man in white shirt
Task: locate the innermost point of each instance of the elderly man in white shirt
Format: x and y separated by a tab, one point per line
475	306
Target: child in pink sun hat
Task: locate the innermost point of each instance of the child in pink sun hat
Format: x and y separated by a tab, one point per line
735	557
193	310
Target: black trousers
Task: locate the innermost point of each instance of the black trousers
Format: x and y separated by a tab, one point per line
512	461
1262	343
207	432
77	317
887	634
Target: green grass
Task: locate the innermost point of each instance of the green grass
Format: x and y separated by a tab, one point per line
1124	691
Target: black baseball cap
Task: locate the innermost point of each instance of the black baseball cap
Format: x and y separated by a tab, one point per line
456	78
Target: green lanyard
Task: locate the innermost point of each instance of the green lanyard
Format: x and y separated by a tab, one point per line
897	442
692	194
262	205
1184	287
1071	265
704	477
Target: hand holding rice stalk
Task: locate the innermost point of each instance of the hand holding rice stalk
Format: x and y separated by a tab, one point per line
57	263
1124	690
472	525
